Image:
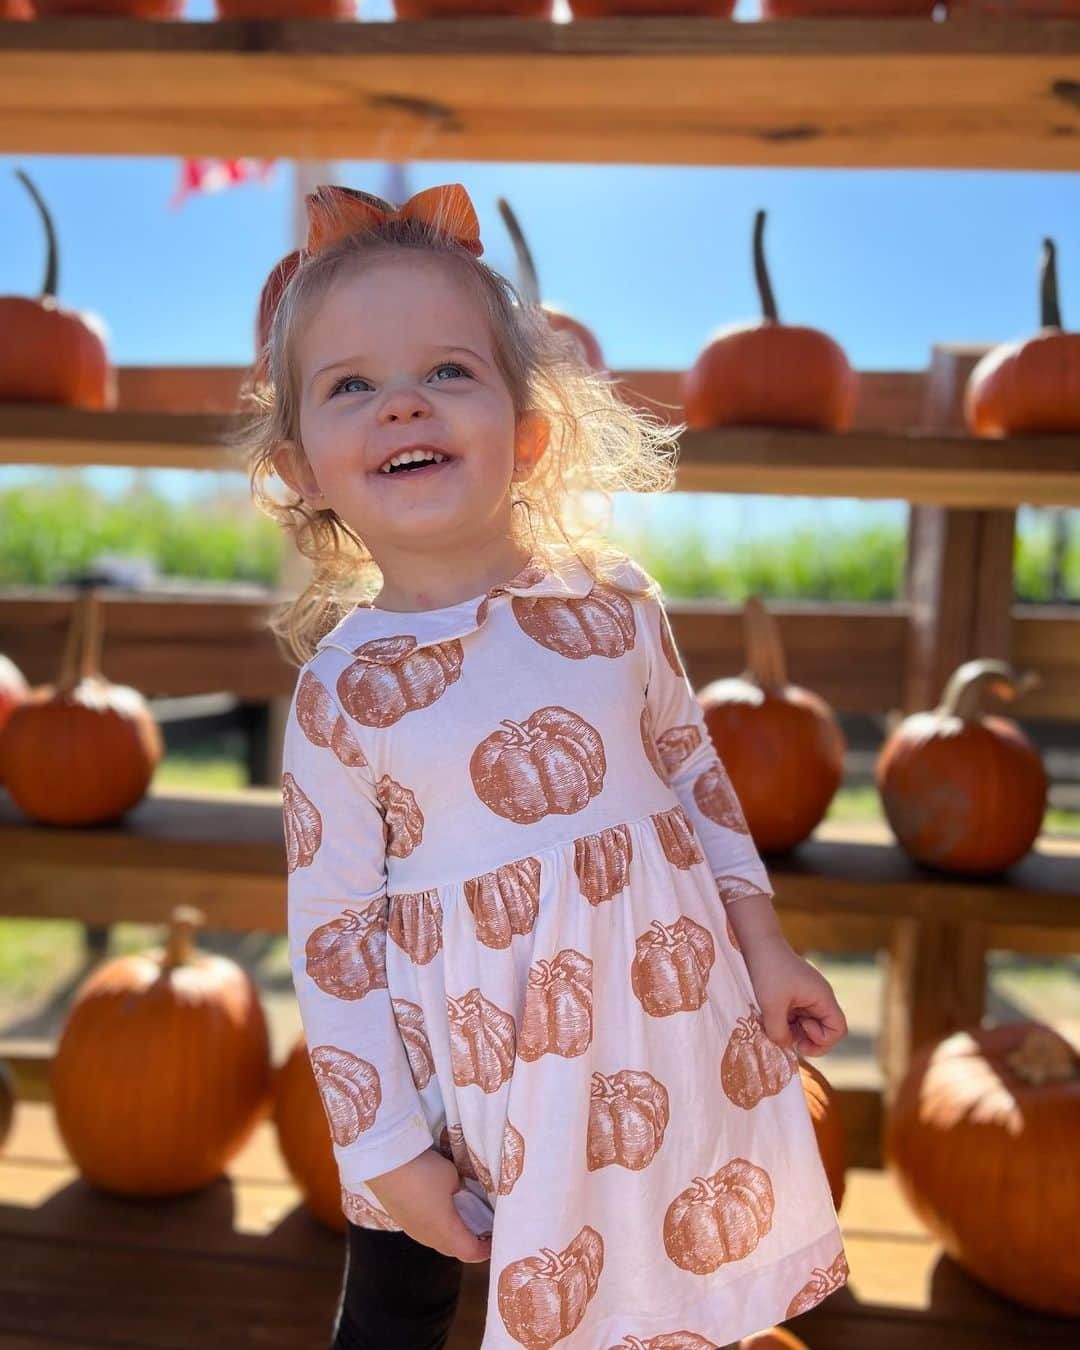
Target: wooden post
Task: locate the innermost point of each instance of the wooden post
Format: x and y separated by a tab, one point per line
959	588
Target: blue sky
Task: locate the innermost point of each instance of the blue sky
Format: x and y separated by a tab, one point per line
652	258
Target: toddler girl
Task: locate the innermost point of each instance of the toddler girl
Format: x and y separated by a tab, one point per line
551	1014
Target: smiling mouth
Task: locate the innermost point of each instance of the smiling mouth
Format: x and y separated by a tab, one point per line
423	470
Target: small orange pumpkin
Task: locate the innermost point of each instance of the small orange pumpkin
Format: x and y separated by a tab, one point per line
162	1070
770	374
774	1338
823	1103
1032	385
982	1138
560	321
963	790
82	751
781	744
49	354
13	690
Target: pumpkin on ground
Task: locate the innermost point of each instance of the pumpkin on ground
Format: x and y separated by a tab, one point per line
769	373
82	751
982	1137
162	1070
1030	386
7	1101
49	354
13	690
964	790
529	287
782	745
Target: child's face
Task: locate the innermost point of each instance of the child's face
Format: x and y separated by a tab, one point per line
398	355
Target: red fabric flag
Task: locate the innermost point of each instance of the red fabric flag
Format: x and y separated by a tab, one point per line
212	175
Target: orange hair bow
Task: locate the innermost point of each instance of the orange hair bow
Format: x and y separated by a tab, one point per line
336	212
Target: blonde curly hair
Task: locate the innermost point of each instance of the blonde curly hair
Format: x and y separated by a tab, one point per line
598	444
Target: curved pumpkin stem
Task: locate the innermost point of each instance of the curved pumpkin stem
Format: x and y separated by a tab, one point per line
180	946
52	265
765	660
965	694
82	648
530	286
1049	302
761	271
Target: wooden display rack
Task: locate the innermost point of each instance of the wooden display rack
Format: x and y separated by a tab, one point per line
967	93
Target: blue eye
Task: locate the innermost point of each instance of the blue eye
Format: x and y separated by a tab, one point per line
350	379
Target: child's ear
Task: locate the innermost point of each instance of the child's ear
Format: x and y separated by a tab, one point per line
291	465
533	434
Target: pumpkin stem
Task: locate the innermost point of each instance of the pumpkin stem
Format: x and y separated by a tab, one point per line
180	946
965	694
767	667
761	271
51	267
530	286
1049	302
82	646
1043	1057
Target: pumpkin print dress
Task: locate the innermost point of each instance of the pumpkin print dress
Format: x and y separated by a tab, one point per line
511	847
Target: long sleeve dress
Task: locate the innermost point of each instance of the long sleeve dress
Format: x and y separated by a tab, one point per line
511	847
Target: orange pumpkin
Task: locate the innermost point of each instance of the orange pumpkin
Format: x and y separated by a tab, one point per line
964	790
7	1101
529	286
1032	385
49	354
774	1338
1017	9
455	9
162	1070
982	1138
82	751
781	744
273	289
13	691
16	9
770	374
604	9
822	1101
128	9
862	9
285	9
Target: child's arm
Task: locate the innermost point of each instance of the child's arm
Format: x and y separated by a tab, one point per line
337	907
678	727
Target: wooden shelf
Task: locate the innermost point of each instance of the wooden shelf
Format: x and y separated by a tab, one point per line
958	471
846	887
971	92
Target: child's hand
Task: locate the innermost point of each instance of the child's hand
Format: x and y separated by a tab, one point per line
798	1007
417	1195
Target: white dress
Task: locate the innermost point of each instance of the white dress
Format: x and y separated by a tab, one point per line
510	848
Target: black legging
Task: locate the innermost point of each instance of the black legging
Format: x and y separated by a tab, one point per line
397	1294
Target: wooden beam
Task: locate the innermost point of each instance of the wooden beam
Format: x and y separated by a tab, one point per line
812	93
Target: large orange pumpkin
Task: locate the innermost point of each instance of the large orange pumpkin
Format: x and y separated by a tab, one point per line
769	373
964	790
128	9
982	1136
49	354
16	9
1032	385
162	1070
13	691
285	9
82	751
303	1138
821	1099
781	744
868	9
530	291
1017	9
454	9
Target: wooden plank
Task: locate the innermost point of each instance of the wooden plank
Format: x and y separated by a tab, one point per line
948	470
832	92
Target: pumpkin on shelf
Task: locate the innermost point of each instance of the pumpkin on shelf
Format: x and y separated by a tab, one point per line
162	1070
605	9
125	9
964	790
273	289
286	9
13	691
1030	386
1016	9
16	9
858	9
7	1101
770	373
822	1101
982	1138
463	9
81	751
530	291
303	1138
781	745
49	354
